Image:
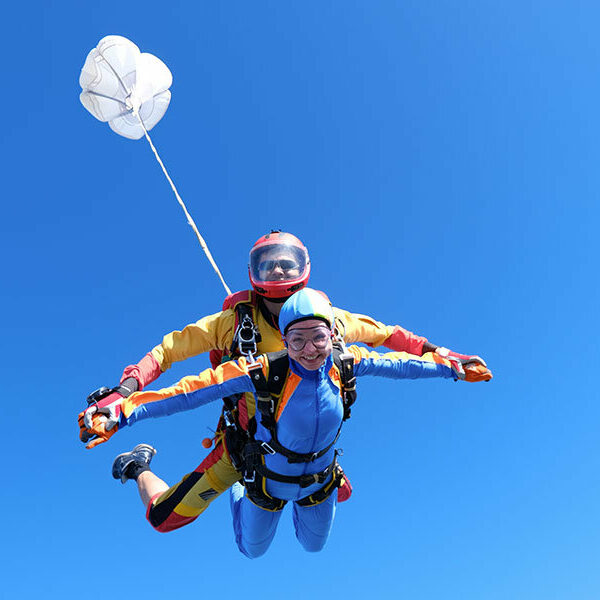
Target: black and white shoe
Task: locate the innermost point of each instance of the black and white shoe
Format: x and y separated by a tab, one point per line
130	464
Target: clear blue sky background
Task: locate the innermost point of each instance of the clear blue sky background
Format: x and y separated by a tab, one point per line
441	162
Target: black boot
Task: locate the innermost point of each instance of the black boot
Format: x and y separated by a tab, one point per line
129	465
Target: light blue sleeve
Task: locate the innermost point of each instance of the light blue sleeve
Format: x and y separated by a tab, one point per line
187	394
399	365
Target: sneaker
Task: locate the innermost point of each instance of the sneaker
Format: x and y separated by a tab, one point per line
124	466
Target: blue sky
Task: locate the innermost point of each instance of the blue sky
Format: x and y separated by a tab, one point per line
439	160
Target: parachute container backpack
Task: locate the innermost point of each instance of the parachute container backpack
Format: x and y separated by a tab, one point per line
129	89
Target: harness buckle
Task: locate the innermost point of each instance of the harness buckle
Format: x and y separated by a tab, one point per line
351	385
248	479
267	448
254	365
246	335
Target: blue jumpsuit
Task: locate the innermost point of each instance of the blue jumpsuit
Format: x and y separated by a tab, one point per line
308	416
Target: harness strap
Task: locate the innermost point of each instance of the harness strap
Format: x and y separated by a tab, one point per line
326	491
246	335
244	342
298	457
344	361
254	463
302	480
257	494
268	393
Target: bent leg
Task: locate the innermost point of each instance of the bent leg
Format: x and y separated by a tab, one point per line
149	486
185	501
313	523
254	527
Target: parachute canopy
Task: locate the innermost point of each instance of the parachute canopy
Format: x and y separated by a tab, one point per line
120	84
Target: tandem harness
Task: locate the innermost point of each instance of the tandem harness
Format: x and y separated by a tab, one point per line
251	452
246	453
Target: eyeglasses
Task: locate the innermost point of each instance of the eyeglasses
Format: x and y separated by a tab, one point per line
286	264
319	340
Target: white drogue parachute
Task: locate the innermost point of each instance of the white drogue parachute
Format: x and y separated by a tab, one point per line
129	89
120	82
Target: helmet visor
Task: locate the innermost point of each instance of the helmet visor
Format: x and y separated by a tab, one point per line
278	262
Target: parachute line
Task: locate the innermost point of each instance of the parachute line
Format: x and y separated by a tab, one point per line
149	95
190	220
98	95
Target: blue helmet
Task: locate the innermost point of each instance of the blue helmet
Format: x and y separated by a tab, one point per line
303	305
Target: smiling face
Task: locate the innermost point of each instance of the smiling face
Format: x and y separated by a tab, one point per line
309	343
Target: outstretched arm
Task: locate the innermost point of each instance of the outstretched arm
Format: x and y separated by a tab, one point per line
206	334
189	393
362	328
401	365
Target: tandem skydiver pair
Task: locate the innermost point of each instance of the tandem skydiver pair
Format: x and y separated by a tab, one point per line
279	265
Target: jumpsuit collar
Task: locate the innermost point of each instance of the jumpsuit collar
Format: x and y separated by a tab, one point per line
319	373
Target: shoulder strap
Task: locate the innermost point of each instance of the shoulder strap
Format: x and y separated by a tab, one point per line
268	389
246	335
268	392
279	365
231	301
344	361
220	355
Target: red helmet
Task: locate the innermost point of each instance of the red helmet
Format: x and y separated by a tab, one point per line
279	265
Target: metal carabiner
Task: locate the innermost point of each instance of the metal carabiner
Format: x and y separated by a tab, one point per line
246	335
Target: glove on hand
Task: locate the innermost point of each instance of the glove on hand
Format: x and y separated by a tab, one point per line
475	371
99	429
108	406
445	353
467	368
